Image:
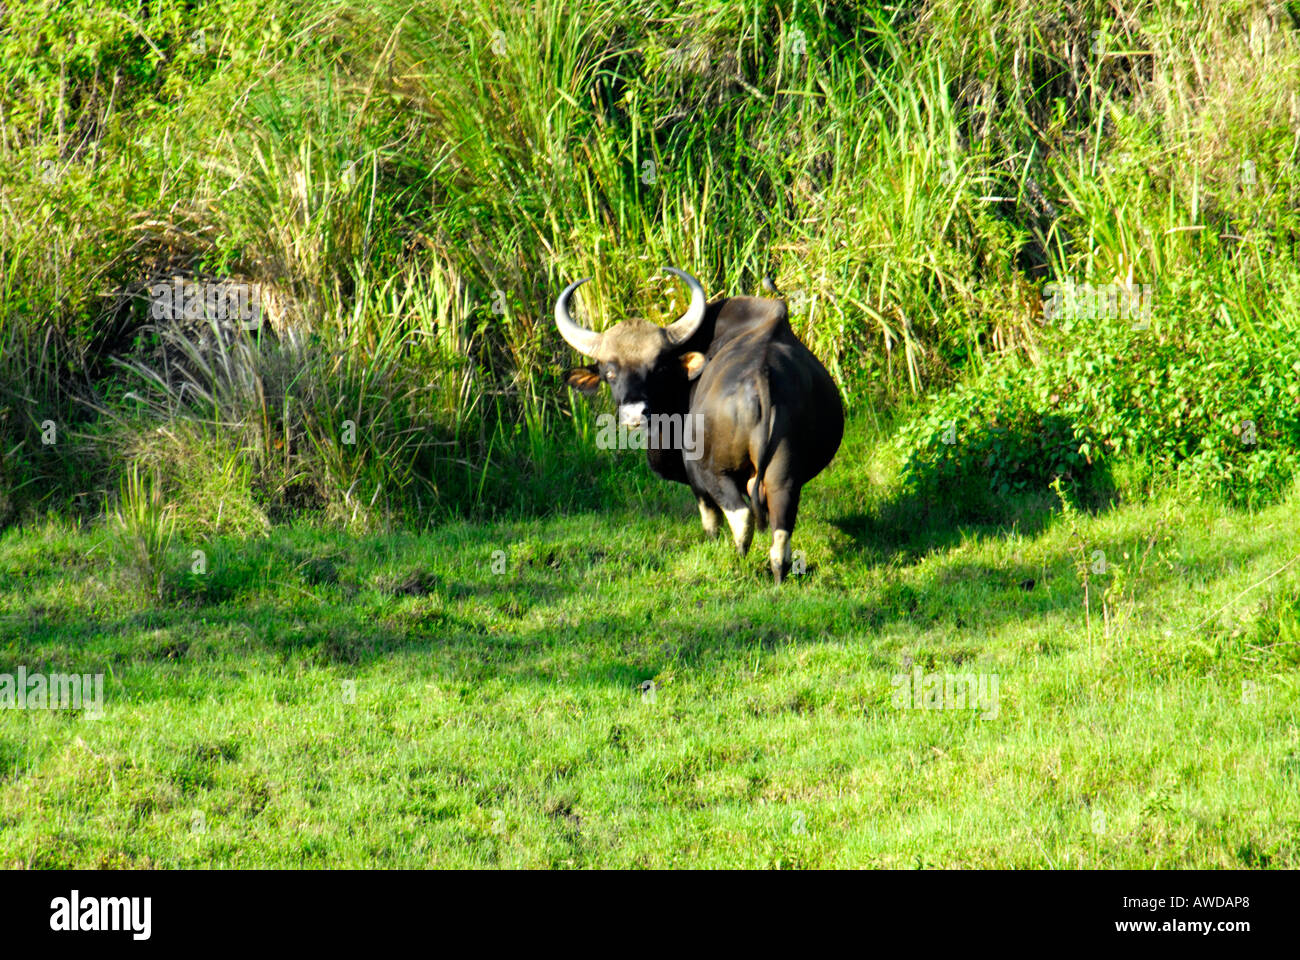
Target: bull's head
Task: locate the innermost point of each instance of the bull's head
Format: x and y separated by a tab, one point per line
630	356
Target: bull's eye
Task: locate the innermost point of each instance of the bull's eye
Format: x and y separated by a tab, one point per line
609	374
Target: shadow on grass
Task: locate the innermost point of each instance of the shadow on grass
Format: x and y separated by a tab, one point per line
518	631
981	491
574	609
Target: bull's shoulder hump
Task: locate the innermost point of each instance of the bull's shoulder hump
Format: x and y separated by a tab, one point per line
752	320
753	309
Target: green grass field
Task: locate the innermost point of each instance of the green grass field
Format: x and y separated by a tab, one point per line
365	592
320	699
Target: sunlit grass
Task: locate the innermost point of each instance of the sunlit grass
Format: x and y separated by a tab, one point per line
315	699
366	593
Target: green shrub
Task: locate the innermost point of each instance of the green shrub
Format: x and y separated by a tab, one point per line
1190	400
982	443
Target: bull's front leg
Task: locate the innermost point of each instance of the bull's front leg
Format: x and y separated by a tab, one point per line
741	521
723	495
710	515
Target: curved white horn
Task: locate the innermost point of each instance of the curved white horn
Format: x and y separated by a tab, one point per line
682	329
580	338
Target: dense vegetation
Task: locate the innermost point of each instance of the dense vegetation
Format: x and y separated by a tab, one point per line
409	185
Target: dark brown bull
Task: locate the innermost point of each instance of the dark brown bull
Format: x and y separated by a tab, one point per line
770	415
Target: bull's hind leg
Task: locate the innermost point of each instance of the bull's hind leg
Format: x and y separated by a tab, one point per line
783	507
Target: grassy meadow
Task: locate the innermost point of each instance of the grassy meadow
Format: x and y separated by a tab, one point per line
321	699
364	590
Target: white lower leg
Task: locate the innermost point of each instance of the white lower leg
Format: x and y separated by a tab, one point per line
742	527
709	517
779	555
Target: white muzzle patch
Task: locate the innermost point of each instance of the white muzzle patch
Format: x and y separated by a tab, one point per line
631	414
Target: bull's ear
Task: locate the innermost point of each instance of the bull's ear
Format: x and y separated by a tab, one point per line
692	363
586	379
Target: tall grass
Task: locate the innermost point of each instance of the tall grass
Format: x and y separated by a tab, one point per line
147	525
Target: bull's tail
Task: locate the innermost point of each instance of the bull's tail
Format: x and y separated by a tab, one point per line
767	425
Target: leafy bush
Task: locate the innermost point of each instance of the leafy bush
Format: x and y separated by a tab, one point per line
983	443
1197	401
